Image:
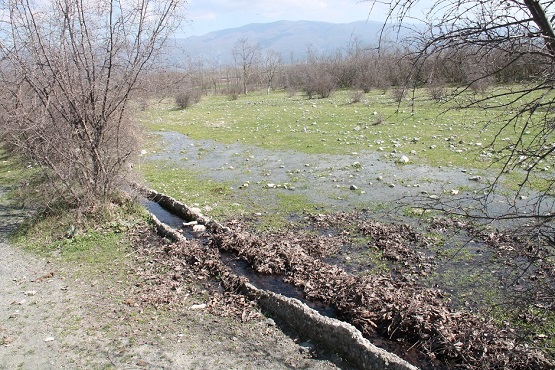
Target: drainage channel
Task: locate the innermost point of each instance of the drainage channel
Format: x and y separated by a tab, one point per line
238	265
315	321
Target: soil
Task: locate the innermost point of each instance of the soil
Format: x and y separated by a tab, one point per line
60	315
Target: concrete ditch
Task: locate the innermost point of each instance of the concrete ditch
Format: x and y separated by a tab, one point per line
335	335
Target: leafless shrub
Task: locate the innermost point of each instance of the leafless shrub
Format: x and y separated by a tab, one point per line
357	96
399	94
233	92
66	90
437	91
187	98
291	91
320	84
481	85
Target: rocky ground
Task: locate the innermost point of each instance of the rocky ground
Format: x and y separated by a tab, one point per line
57	315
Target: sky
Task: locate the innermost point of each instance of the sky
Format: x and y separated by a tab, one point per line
204	16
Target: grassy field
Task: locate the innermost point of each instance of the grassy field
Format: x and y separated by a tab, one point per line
429	134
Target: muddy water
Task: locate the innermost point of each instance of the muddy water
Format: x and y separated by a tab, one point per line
336	182
239	266
329	180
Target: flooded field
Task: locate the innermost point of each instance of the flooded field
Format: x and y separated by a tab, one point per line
333	182
368	227
365	204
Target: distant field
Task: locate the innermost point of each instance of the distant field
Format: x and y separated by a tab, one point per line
428	135
437	136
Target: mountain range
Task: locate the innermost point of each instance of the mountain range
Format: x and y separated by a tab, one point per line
292	39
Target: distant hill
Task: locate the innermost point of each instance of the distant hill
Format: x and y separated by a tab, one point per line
290	38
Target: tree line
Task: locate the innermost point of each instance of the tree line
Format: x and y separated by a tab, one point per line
357	66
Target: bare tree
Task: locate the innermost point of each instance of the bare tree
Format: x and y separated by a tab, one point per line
246	57
271	64
69	68
496	36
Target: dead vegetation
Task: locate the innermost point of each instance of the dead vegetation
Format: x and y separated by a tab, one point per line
390	305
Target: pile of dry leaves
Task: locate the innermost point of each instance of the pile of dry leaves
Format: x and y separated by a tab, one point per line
173	273
386	305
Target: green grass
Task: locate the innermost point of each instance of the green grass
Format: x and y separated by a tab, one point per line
14	171
429	135
434	134
95	240
191	188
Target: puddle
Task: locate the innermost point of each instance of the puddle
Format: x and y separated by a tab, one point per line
339	182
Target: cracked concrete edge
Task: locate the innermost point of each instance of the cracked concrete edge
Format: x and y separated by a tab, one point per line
336	335
339	336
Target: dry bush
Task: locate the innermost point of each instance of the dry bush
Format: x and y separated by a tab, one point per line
320	84
66	91
233	92
187	98
357	96
399	93
437	91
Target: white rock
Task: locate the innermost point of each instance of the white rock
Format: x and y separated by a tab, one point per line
404	159
199	228
198	306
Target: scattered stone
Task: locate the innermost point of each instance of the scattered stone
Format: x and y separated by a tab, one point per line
30	293
270	322
14	315
199	228
454	191
198	306
392	185
190	223
475	178
404	159
49	339
6	341
353	187
195	210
